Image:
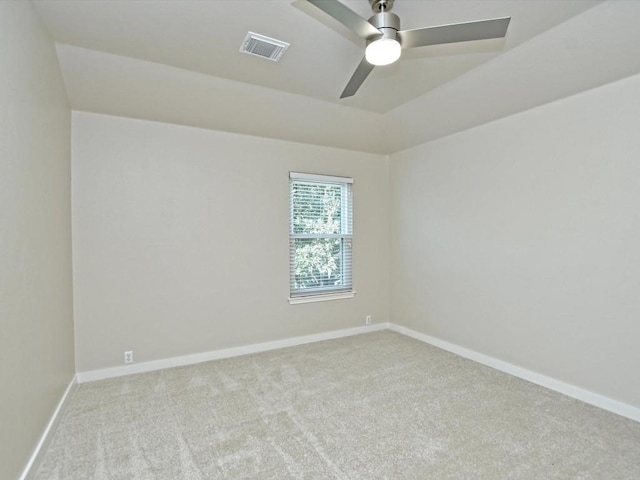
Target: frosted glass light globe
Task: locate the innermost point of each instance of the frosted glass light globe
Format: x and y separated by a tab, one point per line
383	51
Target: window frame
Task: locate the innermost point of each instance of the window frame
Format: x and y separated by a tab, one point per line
346	218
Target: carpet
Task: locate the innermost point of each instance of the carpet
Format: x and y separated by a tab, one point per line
372	406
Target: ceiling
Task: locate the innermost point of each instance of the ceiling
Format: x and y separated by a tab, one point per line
178	61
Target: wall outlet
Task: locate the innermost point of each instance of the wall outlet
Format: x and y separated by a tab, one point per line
367	320
128	356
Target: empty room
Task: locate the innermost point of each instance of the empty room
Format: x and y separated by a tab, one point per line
319	239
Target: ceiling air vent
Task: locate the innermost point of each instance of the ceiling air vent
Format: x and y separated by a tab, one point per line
265	47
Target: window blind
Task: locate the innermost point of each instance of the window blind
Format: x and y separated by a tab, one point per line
320	235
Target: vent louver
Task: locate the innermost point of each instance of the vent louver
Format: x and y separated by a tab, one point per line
265	47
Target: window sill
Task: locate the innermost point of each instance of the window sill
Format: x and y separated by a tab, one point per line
321	297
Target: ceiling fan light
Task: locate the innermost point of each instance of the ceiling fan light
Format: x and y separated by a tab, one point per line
383	51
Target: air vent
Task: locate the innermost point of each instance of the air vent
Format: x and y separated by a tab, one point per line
265	47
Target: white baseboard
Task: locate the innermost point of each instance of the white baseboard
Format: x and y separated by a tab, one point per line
586	396
93	375
36	457
578	393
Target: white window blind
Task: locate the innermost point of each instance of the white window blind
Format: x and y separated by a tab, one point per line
320	234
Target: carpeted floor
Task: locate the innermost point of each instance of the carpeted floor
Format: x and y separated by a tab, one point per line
374	406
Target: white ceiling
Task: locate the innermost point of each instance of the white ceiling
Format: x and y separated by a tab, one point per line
177	61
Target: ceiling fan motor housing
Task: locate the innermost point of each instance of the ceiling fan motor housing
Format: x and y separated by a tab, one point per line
388	24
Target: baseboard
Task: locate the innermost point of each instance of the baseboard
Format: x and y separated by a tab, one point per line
578	393
92	375
36	457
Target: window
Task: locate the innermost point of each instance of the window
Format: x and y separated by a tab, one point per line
320	237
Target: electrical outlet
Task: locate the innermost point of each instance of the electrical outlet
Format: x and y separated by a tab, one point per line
367	320
128	356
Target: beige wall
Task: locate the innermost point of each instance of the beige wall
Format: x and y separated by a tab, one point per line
181	240
520	239
36	324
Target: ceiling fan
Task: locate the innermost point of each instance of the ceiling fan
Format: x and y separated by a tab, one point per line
385	40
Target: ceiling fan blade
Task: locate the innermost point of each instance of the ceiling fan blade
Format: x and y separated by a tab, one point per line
347	17
457	32
357	79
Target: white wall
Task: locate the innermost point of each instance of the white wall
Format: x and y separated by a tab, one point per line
36	318
520	239
181	239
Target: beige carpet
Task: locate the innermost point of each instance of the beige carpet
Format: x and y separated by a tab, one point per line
372	406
